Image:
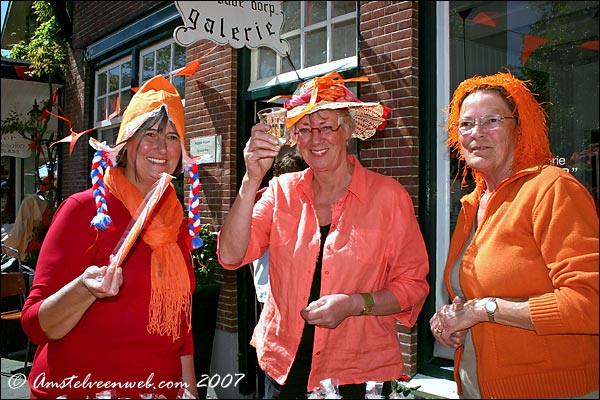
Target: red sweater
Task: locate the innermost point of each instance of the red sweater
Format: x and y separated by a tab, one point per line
110	343
538	240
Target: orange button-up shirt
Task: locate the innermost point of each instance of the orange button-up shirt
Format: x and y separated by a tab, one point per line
374	242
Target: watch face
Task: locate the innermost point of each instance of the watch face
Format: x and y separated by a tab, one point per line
490	306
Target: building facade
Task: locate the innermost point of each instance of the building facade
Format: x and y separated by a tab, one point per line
414	54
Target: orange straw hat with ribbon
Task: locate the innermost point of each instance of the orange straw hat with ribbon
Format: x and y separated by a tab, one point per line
329	92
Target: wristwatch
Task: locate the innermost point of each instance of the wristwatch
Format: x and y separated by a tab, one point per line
369	303
490	308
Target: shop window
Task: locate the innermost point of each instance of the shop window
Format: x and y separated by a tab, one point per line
554	46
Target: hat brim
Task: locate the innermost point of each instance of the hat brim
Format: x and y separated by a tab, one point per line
366	116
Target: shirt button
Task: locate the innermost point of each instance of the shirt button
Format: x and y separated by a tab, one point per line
329	247
318	353
332	226
326	272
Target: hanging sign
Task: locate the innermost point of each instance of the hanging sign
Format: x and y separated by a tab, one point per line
15	145
238	23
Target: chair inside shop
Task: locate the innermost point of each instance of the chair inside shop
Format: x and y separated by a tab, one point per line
13	293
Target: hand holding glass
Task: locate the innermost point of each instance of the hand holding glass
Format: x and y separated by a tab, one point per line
276	118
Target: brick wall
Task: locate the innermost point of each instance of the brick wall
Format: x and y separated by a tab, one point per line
389	57
211	96
92	20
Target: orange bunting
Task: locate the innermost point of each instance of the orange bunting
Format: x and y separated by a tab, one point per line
484	18
192	67
530	44
189	69
21	72
72	139
590	45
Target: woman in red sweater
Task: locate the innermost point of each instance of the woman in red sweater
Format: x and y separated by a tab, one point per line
522	268
104	327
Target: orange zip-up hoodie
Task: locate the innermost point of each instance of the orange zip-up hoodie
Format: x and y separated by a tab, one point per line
538	240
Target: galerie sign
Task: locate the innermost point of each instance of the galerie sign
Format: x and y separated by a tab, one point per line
238	23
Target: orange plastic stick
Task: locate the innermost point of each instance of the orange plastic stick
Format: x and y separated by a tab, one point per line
131	235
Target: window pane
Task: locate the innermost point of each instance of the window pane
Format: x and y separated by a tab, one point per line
179	83
178	56
147	67
126	74
316	47
125	98
291	12
112	104
294	55
316	11
343	43
163	61
267	62
101	84
113	79
101	109
342	7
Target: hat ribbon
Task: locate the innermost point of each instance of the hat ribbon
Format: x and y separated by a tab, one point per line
329	87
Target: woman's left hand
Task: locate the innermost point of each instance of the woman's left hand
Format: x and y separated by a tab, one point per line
449	325
328	311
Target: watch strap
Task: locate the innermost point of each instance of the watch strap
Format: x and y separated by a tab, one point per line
369	303
492	313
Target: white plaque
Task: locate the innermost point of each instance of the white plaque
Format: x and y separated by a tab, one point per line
207	146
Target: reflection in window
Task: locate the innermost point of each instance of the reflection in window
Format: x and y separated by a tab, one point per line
553	46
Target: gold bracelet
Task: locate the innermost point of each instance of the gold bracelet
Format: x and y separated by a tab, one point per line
369	304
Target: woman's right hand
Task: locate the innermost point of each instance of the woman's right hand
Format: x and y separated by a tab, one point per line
260	152
102	281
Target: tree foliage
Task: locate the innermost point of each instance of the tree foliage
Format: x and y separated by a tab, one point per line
46	49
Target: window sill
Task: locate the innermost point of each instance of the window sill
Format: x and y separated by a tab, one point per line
433	388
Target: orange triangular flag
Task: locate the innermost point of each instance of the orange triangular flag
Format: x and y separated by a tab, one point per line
192	67
530	43
72	139
484	18
590	45
189	69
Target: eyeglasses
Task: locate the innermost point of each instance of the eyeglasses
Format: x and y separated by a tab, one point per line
324	131
488	123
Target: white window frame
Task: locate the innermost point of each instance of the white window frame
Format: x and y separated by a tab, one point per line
105	127
315	70
157	46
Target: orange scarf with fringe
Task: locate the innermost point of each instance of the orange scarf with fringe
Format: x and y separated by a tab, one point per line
170	294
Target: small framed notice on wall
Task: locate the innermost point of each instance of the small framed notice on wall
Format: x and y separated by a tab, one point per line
207	146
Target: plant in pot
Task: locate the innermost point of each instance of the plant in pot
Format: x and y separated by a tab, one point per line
205	302
204	259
